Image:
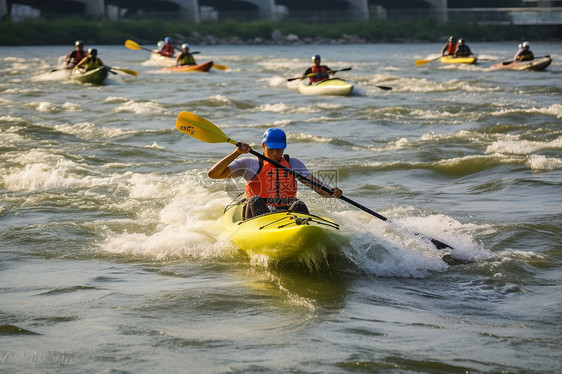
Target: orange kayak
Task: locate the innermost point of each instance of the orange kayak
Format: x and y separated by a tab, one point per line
185	68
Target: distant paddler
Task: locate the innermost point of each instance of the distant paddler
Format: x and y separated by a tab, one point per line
524	53
317	73
185	57
167	49
91	61
462	49
450	48
75	56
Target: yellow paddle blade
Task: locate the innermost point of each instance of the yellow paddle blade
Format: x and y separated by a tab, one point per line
132	44
127	71
422	62
220	67
201	129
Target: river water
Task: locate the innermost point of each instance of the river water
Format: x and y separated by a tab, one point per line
113	257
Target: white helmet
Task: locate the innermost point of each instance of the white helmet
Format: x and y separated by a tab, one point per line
185	45
525	45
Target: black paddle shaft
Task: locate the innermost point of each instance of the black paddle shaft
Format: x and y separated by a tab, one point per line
438	244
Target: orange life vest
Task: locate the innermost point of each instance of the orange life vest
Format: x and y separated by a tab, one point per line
276	186
319	77
452	47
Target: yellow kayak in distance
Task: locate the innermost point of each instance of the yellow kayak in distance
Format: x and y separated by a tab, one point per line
458	60
333	86
283	235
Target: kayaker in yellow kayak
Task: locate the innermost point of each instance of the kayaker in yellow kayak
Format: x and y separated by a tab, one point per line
76	55
462	50
91	61
185	57
524	53
319	72
449	48
268	188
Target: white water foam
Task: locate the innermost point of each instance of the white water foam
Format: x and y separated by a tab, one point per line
87	130
543	163
275	81
48	107
551	110
511	144
396	250
300	137
53	171
285	109
220	99
145	108
189	225
154	145
9	118
59	75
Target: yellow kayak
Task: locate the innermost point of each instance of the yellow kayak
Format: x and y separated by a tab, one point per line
283	235
458	60
333	86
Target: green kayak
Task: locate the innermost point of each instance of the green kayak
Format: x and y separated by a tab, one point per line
94	76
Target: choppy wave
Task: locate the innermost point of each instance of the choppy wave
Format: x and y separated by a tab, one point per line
48	107
512	144
88	130
540	162
144	108
554	110
286	108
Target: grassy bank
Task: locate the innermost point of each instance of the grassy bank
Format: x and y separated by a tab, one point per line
65	31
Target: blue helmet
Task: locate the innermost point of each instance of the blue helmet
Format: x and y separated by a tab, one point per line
316	57
167	39
275	139
185	45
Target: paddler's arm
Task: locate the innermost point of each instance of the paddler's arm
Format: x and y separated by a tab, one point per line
220	170
336	191
82	62
305	75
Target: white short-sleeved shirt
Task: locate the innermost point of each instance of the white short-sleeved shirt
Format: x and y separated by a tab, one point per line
247	167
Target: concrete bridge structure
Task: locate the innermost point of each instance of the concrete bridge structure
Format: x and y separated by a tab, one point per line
191	10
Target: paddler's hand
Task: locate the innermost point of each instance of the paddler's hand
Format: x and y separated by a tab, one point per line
337	193
242	148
